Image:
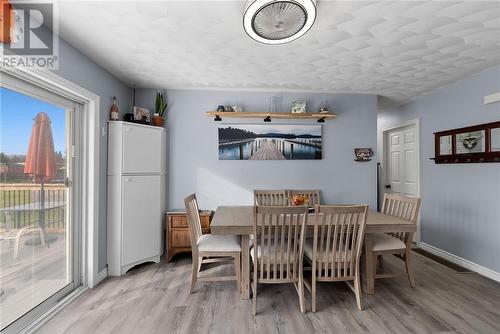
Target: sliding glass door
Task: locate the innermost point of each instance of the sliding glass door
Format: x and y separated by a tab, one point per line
39	235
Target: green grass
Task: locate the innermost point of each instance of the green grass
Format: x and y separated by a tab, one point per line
16	197
54	218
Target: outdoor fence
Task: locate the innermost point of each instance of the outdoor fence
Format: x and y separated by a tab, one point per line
22	206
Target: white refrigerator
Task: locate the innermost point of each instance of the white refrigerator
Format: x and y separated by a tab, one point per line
136	195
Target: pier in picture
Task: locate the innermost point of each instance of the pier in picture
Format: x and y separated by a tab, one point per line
270	142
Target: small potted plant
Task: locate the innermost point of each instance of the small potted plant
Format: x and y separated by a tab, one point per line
160	107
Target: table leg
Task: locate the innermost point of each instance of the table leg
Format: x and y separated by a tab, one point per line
245	267
369	268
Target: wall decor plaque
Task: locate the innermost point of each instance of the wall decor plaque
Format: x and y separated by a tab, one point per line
472	144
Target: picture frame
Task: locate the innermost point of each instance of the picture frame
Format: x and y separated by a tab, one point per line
470	142
270	142
142	115
298	107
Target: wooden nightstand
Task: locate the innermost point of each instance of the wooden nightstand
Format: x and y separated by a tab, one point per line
177	231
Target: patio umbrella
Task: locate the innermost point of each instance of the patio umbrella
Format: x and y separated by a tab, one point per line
40	161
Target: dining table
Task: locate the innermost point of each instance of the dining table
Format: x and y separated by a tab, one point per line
239	220
13	213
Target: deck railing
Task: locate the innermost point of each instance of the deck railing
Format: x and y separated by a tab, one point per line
20	206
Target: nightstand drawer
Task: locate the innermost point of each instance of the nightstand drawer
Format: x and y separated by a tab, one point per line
179	221
180	239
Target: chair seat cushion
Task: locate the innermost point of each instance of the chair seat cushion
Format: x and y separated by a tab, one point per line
219	243
269	250
308	252
383	242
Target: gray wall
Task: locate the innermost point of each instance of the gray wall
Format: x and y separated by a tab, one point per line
83	71
459	201
193	150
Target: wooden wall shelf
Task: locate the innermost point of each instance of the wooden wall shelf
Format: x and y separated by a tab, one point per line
267	116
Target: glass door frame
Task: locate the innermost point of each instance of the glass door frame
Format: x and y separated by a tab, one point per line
73	183
90	171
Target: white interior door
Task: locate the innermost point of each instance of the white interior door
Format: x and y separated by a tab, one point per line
403	162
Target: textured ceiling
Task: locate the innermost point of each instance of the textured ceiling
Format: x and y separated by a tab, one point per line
398	50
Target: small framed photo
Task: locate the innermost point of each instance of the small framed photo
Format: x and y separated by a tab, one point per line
142	115
470	142
298	107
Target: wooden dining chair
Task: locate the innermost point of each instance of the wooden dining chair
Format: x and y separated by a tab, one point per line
270	197
208	248
335	249
312	196
279	248
379	244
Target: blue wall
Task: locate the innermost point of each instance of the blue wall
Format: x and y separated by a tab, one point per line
193	150
83	71
460	202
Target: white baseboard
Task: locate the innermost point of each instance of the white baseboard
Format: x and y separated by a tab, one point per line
461	261
101	275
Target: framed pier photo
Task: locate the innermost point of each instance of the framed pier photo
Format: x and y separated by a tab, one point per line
270	142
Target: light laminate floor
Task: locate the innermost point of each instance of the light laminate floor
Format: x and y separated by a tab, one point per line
154	299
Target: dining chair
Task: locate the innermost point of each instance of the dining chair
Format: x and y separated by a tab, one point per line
278	251
209	248
270	197
399	244
335	249
312	196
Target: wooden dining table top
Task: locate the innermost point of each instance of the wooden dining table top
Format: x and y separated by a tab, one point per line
238	220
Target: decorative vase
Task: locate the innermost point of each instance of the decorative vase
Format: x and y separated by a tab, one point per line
158	121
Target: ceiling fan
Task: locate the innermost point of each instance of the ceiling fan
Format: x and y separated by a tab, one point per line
278	21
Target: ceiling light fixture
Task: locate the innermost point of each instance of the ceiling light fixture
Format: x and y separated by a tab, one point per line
278	21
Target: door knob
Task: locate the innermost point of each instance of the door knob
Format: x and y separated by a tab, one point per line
387	186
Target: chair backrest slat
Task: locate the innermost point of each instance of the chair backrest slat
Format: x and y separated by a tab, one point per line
312	195
333	252
279	241
194	222
260	240
337	240
402	207
356	227
270	197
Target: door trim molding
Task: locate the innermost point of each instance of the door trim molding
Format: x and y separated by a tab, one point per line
382	140
38	323
102	275
90	154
